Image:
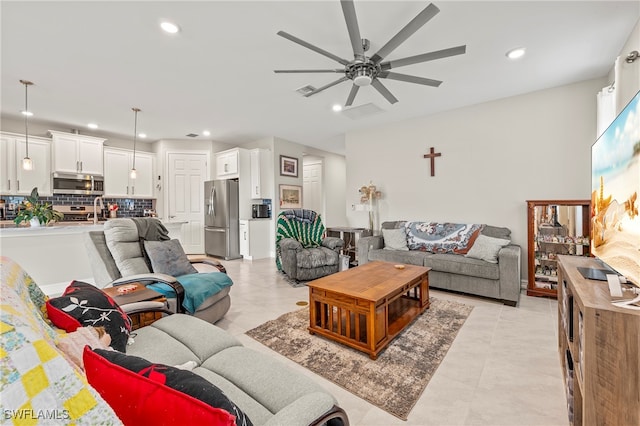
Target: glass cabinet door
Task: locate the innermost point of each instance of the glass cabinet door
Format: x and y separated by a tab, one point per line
555	227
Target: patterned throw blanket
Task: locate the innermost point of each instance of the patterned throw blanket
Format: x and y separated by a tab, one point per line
302	225
441	237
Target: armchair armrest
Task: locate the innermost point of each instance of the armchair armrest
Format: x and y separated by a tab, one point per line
155	278
365	244
333	243
290	244
207	261
150	306
509	264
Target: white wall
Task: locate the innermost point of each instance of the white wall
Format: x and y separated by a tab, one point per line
495	156
629	73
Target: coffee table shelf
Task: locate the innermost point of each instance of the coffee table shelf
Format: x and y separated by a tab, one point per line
367	306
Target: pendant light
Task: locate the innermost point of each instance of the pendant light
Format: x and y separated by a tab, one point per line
133	173
27	163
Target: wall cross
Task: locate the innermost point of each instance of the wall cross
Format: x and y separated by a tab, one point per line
432	156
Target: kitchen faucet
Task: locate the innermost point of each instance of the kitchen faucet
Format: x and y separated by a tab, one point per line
95	211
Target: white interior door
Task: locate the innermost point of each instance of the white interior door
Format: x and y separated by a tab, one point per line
312	187
186	176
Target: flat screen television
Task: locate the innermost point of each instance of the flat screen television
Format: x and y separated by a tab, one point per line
615	184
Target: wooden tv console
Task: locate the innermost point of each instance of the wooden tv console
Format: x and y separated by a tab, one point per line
599	346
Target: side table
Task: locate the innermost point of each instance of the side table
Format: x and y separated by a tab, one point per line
350	236
141	294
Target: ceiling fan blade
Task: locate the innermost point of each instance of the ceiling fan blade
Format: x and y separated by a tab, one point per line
312	47
409	78
383	91
425	57
326	86
303	71
406	32
352	95
349	12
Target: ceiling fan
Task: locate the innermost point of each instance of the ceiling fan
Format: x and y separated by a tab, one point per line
366	70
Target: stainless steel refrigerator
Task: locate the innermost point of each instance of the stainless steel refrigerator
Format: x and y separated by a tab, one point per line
221	221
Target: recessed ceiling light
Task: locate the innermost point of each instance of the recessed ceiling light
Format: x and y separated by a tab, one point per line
337	107
27	113
206	133
142	135
516	53
92	126
169	27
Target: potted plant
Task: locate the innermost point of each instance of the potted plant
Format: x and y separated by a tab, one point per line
37	213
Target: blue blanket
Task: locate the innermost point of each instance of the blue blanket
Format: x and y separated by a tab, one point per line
197	287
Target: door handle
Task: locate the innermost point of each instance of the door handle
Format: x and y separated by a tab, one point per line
213	199
81	166
171	217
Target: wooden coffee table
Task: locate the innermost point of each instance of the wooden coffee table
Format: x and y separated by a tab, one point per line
367	306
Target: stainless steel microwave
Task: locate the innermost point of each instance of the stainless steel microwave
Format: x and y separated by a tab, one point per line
70	183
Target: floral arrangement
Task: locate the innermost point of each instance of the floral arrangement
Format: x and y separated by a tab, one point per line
113	207
31	208
367	195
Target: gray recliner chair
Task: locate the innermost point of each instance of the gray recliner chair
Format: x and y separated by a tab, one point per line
303	253
116	256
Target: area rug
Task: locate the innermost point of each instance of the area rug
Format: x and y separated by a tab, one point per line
393	382
294	283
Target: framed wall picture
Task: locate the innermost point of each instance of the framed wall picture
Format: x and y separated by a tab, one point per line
288	166
290	197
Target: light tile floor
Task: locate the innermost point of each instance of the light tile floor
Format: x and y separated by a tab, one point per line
502	369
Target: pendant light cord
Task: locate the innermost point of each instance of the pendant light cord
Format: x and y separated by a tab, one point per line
26	117
135	134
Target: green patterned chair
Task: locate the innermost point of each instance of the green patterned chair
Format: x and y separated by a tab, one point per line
301	251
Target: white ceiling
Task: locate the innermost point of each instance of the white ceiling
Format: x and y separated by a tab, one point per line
91	61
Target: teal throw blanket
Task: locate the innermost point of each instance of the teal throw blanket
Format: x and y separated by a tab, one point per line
197	287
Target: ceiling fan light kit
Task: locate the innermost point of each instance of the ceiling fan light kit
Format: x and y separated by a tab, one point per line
367	71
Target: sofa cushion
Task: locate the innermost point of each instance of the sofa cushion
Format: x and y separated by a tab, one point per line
255	374
487	248
411	257
395	239
83	304
156	394
182	340
123	242
168	257
441	237
456	264
316	257
35	376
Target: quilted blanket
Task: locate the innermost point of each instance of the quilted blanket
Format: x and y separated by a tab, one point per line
302	225
441	237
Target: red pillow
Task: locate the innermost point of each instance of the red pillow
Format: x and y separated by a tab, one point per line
84	304
137	399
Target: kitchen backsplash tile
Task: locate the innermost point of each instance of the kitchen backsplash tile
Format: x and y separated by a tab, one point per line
127	207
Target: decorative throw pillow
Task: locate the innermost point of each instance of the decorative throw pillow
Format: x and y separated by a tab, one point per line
157	394
395	239
168	257
83	304
487	248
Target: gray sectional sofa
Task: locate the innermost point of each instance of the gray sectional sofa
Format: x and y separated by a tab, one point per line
456	272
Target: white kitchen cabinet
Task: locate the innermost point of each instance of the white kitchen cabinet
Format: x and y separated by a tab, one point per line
227	164
73	153
261	170
255	238
117	179
14	180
